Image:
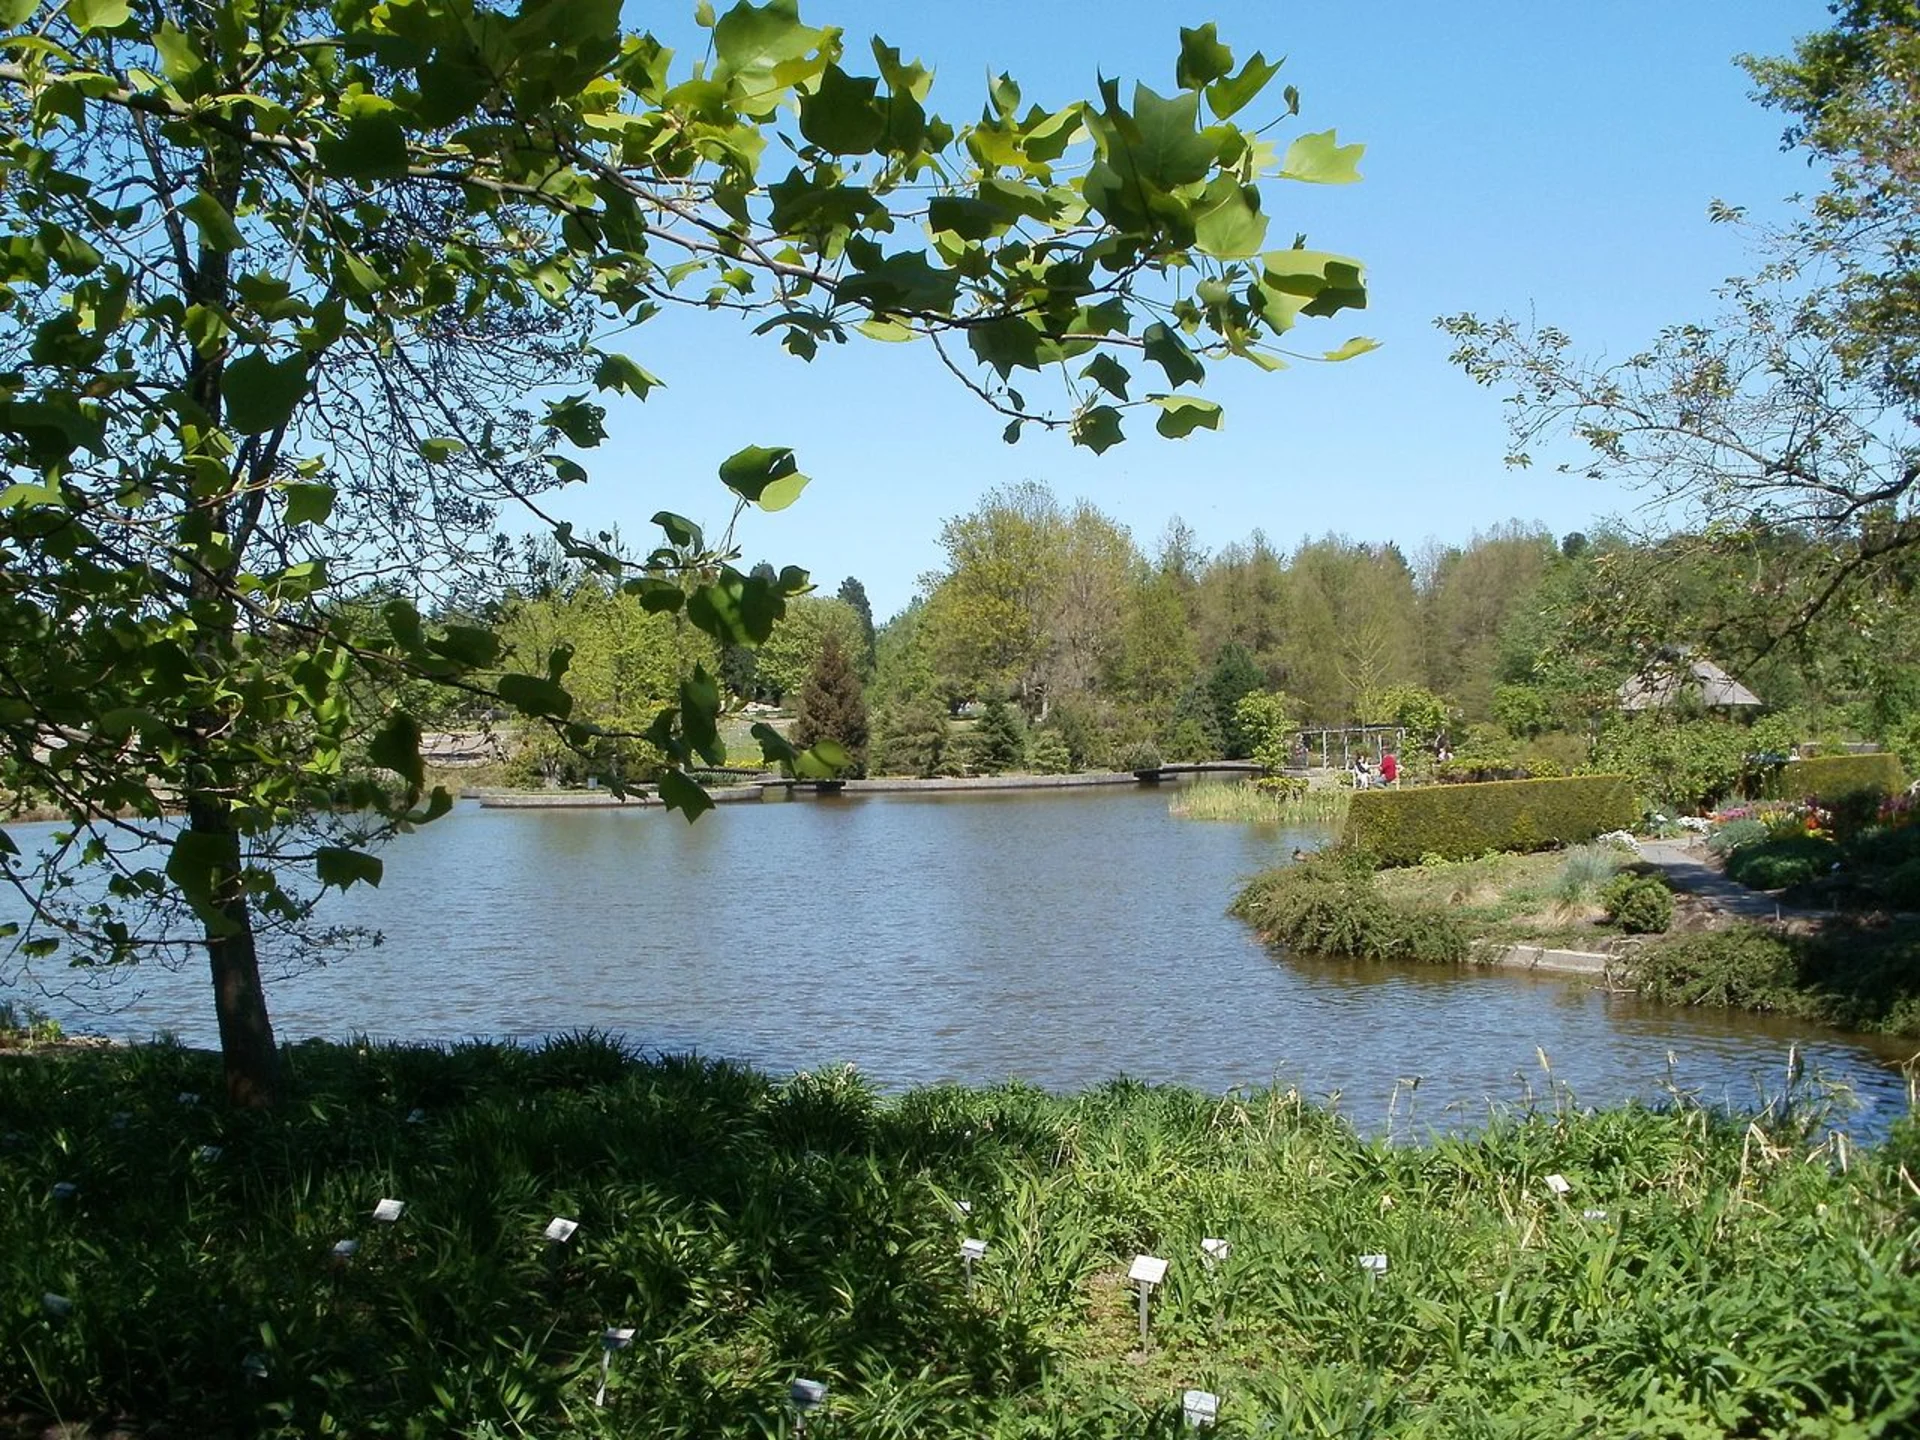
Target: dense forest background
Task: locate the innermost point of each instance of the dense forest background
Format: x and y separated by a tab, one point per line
1048	622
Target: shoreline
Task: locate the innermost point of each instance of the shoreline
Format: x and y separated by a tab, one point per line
780	789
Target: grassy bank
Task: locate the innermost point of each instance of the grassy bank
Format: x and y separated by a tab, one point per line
1848	973
753	1231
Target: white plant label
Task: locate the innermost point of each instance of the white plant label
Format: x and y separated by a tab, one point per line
560	1229
1147	1270
1558	1184
388	1211
1374	1264
1215	1250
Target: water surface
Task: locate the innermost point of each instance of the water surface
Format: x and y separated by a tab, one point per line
1058	938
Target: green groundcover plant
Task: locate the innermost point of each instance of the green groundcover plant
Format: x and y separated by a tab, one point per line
1701	1276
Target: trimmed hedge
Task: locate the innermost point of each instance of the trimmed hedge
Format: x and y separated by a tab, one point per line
1456	822
1828	777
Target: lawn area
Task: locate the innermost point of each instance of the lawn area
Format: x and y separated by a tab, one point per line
1548	898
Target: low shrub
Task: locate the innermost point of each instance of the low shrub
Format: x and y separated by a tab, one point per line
1638	904
1331	905
1900	886
1735	833
1142	756
1830	777
1744	968
1398	827
1780	863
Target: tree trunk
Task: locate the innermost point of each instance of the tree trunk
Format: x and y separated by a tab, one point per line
246	1034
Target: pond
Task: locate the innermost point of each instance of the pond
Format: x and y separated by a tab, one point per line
1060	938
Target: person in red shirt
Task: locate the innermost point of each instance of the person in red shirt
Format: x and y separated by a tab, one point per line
1390	768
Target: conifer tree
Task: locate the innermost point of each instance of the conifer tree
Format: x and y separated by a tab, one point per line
832	706
1000	744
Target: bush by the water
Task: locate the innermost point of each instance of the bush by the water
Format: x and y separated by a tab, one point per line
1331	905
1638	904
1831	777
1856	977
753	1231
1455	822
1779	864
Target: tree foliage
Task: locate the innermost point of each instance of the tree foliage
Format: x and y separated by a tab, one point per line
301	297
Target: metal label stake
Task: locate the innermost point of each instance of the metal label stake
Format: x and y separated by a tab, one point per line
1147	1271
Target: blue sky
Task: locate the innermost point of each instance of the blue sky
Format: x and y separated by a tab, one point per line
1521	158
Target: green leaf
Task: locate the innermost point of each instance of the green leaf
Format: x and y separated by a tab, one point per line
751	40
308	504
340	867
1358	345
1098	429
262	394
1171	151
439	449
656	596
180	61
1228	97
1202	57
472	646
1109	374
1228	223
767	477
1170	353
579	419
194	864
617	372
99	14
17	12
822	760
372	147
1181	415
679	530
1321	160
396	747
841	116
215	226
532	695
677	792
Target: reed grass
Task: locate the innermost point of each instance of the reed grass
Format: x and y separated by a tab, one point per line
1246	803
1750	1276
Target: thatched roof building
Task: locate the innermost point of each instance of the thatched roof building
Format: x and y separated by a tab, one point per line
1679	678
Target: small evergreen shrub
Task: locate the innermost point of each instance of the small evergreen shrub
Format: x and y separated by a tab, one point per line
1143	756
1829	777
1047	754
1778	864
1638	904
1398	827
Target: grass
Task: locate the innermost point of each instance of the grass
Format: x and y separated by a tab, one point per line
1547	898
1746	1278
1246	803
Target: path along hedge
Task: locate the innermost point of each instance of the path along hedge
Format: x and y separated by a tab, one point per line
1455	822
1830	777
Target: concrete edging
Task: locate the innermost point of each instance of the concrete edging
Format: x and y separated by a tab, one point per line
1541	958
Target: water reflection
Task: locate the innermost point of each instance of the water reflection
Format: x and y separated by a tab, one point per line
1059	939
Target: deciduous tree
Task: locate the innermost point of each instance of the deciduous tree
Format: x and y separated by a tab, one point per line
298	296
